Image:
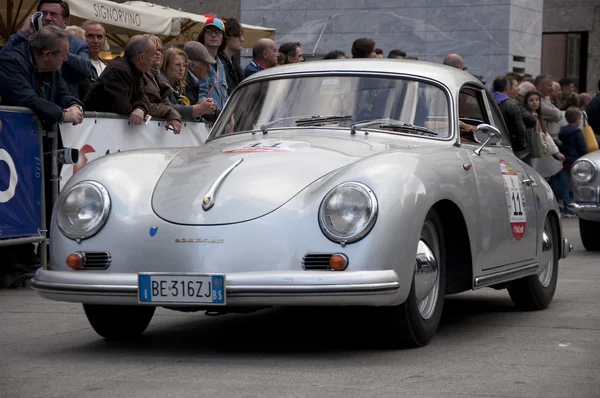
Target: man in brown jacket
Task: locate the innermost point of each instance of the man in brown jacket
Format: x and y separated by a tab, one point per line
120	88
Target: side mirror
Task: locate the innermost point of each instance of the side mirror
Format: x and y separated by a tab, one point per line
485	135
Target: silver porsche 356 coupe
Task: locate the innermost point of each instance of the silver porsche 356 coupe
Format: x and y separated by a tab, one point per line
382	183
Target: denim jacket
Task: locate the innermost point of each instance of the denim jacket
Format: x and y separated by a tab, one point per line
215	85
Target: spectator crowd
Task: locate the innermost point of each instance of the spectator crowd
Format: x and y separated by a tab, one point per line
57	72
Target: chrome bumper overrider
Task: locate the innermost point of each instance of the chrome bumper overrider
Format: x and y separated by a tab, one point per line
566	248
260	288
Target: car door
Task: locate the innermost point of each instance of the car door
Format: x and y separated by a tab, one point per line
506	201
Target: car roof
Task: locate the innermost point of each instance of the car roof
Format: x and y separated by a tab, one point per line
452	77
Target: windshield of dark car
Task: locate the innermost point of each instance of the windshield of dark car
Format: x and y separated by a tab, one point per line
336	101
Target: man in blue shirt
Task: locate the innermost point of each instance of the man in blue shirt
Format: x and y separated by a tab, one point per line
77	68
264	56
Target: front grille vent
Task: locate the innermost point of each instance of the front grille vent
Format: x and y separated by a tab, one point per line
95	260
316	261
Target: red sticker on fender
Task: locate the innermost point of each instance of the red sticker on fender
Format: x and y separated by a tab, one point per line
515	200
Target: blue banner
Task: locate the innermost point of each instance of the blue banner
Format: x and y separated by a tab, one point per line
20	175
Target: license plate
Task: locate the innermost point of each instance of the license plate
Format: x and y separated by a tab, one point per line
173	288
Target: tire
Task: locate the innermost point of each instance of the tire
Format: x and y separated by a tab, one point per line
414	323
590	234
535	292
119	322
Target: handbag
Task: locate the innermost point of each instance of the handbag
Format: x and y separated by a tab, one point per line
539	146
588	135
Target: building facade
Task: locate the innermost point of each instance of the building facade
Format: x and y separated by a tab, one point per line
560	37
493	36
571	41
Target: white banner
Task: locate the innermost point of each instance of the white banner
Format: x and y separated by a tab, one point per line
123	18
99	137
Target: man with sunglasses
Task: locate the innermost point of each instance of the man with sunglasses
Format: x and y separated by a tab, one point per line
77	68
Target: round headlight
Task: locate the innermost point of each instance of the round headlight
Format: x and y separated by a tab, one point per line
583	171
82	210
348	212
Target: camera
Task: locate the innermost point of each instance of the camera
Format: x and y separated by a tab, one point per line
68	156
37	21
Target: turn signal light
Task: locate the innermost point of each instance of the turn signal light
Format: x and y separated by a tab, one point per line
74	260
338	262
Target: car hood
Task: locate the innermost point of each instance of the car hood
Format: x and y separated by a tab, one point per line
269	172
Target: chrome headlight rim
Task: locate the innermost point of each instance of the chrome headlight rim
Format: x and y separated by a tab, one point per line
594	171
374	206
106	206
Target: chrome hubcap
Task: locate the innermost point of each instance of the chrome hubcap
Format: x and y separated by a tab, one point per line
547	259
427	282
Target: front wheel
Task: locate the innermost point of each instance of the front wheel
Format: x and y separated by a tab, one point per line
590	232
414	322
536	292
119	322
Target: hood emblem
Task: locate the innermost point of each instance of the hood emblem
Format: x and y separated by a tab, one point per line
153	231
209	198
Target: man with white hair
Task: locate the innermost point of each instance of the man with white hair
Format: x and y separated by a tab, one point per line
120	88
551	114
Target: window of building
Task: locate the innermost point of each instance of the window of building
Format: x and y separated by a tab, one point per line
565	55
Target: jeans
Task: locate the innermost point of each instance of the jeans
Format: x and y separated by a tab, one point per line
560	184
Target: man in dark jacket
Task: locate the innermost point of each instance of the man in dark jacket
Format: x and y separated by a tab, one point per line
513	119
593	112
31	77
77	67
120	88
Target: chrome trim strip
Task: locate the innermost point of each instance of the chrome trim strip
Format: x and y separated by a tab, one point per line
590	208
209	198
506	276
53	287
236	291
231	291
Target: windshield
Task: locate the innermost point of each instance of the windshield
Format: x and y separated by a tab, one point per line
392	104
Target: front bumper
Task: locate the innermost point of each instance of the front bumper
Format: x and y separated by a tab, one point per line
584	208
304	288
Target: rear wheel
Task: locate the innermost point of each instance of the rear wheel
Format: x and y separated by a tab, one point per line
416	320
119	322
536	292
590	234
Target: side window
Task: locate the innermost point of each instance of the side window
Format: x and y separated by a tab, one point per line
498	121
471	108
471	112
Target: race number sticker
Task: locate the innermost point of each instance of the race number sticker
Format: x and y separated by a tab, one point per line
268	146
515	200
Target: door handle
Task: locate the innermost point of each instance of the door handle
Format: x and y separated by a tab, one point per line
528	181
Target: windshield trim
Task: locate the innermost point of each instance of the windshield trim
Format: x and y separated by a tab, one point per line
452	124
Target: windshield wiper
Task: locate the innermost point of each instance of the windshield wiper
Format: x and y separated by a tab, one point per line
320	119
394	125
306	120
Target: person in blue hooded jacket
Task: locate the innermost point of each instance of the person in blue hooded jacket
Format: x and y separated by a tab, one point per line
573	147
78	67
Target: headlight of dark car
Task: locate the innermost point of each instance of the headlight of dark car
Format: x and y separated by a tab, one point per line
583	171
348	212
83	210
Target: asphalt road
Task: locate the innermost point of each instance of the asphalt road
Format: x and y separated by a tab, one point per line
483	348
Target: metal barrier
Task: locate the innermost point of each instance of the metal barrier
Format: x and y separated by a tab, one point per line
15	180
100	134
